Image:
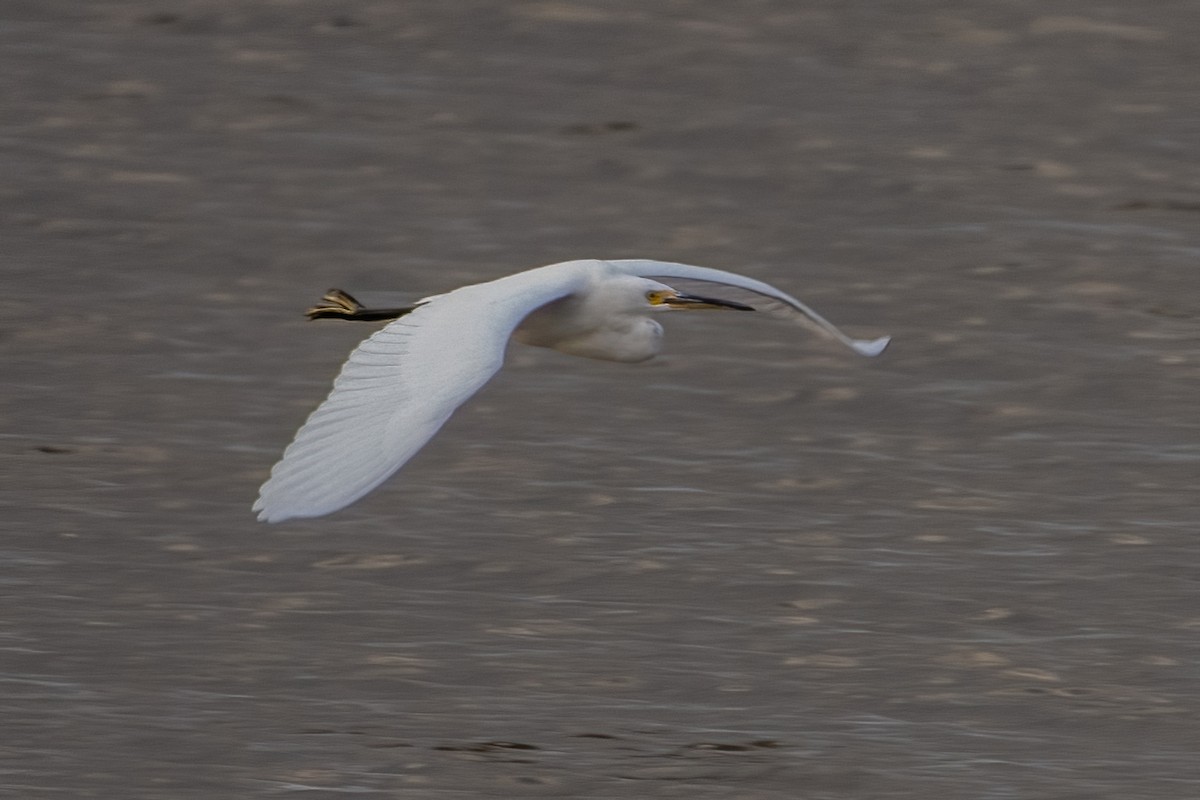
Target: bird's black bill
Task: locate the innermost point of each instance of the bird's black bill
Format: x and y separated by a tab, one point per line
691	301
337	304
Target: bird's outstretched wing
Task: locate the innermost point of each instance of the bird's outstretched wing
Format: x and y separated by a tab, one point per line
761	296
398	388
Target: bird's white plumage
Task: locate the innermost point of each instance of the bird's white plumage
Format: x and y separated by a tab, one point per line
402	384
782	303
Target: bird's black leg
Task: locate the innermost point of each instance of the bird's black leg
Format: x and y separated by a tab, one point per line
337	304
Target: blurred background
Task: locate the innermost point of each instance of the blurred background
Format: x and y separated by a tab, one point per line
758	567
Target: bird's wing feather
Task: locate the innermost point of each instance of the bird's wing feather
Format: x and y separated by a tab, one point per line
760	296
398	388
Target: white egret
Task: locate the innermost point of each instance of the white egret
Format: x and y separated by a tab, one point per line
402	384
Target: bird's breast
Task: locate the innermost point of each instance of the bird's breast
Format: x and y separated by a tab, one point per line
620	338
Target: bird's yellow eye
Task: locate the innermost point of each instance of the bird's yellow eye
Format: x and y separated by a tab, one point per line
657	297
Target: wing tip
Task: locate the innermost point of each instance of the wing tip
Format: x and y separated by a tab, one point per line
270	513
871	348
261	513
281	504
271	516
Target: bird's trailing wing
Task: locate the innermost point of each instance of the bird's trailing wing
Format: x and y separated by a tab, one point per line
397	389
760	296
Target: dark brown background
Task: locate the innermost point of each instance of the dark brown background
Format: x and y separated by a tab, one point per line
757	568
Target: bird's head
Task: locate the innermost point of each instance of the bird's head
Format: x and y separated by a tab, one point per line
661	297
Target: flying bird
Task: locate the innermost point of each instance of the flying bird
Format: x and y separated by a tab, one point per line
401	385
